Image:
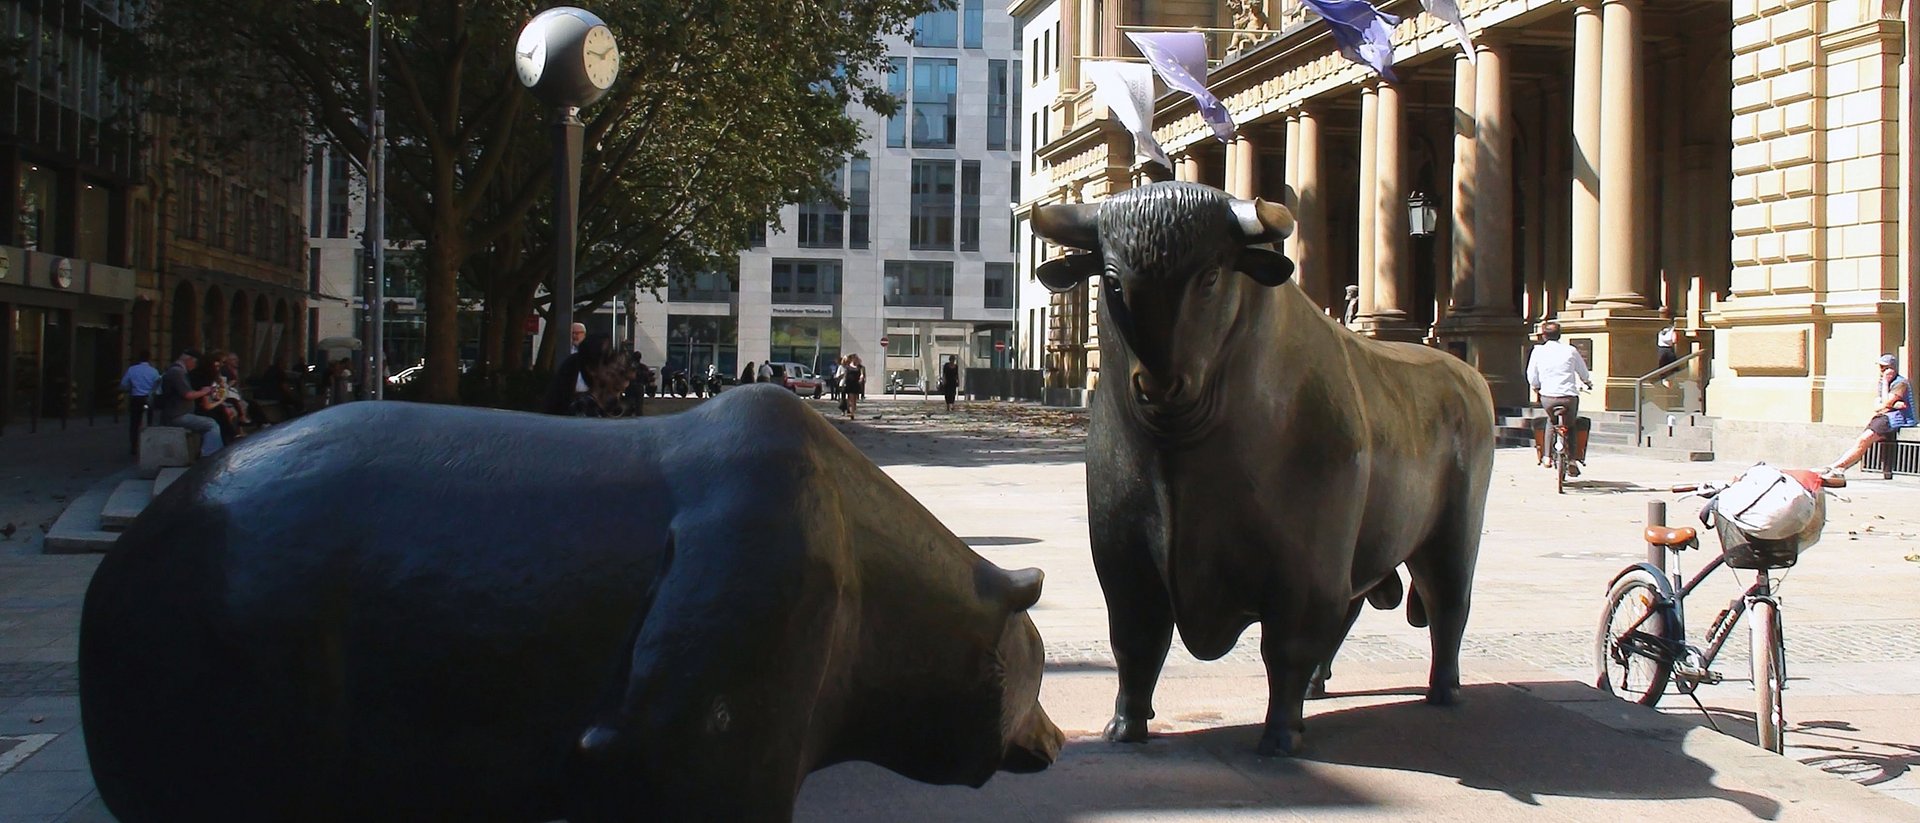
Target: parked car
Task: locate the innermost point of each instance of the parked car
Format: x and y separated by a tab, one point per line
800	380
906	380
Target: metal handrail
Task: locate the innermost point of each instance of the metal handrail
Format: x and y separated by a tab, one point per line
1639	407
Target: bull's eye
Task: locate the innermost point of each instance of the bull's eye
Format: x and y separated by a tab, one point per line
1210	279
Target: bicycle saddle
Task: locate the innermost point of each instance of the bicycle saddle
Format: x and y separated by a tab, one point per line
1678	536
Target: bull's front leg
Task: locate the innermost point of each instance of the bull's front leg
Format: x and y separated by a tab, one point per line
1294	650
1140	626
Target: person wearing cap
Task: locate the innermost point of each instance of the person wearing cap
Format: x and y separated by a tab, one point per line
177	405
1893	412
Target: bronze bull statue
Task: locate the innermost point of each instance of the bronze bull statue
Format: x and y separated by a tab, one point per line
396	612
1249	460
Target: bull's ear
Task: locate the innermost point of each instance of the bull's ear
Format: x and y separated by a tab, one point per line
1063	273
1069	224
1023	589
1265	266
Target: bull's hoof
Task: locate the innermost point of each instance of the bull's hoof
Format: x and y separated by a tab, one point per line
1278	743
1443	695
1124	729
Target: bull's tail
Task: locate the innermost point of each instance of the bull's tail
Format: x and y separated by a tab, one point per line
1416	610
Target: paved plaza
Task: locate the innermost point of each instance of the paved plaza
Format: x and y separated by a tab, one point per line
1531	740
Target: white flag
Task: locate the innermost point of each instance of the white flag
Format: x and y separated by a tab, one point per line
1449	12
1127	88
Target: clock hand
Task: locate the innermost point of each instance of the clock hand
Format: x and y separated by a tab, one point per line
529	52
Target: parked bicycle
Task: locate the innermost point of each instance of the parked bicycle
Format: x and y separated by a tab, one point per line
1642	645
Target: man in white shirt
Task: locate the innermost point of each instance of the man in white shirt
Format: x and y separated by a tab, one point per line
138	383
1557	373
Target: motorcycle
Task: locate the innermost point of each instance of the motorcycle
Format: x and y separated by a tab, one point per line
678	383
713	385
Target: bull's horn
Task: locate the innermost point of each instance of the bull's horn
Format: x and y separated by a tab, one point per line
1076	225
1262	221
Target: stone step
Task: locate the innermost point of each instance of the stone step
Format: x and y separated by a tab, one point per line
1681	438
166	478
1678	455
78	530
126	503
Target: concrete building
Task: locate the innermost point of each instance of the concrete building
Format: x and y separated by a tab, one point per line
70	301
923	257
1741	164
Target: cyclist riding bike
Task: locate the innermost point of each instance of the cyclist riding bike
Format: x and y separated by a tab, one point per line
1558	374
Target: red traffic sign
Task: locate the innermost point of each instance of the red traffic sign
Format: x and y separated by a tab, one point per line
999	345
883	342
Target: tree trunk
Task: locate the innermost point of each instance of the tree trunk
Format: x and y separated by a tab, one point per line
493	328
441	289
518	306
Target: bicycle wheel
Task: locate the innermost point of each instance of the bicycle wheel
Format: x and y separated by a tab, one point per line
1559	463
1639	675
1769	674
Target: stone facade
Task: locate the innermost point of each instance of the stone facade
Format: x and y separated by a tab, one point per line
1739	164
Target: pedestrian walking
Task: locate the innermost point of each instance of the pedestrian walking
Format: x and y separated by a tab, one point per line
950	379
1664	339
855	386
138	383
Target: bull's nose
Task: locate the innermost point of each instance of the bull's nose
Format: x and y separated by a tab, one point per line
1148	390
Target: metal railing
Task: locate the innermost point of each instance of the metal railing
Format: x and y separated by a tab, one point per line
1639	388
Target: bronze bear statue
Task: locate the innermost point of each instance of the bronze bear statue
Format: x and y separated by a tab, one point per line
388	611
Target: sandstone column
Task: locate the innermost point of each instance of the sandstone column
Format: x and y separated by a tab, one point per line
1306	246
1243	172
1585	210
1464	182
1393	280
1622	229
1493	186
1369	185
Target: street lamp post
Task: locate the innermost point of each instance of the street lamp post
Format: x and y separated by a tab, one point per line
568	58
376	235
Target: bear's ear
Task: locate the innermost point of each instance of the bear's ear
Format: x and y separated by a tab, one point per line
1023	589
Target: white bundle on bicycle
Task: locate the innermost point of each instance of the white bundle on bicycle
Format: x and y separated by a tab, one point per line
1773	505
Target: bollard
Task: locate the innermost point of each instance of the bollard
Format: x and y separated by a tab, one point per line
1657	516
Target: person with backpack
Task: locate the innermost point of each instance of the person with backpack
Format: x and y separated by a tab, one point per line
1893	412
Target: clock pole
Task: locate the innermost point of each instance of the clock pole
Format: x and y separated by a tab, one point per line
567	58
569	136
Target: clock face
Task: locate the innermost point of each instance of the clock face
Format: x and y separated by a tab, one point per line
530	55
63	274
602	57
6	263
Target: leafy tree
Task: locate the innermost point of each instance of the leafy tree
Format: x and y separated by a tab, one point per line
725	110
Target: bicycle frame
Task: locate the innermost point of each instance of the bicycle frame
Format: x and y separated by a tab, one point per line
1671	605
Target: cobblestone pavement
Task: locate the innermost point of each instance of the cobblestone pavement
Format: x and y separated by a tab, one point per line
1009	478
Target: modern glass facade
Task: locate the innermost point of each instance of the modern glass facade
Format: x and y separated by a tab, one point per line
918	247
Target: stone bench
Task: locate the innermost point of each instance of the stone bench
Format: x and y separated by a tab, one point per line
166	446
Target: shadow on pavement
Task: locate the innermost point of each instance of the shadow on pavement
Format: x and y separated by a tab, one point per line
1380	755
